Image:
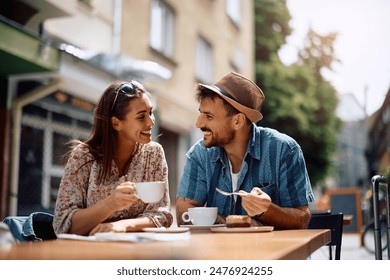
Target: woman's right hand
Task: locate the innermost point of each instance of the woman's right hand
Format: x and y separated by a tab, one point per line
122	196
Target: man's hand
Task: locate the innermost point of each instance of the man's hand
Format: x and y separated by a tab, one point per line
256	202
182	205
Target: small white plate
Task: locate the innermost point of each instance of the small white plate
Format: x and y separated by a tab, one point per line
167	230
243	229
195	227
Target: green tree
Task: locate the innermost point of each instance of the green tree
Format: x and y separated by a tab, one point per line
318	52
298	101
271	27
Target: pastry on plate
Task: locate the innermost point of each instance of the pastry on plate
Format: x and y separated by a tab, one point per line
238	221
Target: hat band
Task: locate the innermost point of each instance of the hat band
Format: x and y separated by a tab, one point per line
224	92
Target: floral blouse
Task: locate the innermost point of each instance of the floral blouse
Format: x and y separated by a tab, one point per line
79	188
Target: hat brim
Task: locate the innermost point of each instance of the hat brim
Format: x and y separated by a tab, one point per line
252	114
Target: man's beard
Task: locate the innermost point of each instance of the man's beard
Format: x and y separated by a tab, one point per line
220	141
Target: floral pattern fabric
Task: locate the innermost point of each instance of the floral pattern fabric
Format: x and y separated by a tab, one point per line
79	188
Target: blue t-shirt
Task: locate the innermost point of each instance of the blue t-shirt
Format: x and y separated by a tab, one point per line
273	162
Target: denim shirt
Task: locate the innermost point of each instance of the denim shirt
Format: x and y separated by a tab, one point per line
273	162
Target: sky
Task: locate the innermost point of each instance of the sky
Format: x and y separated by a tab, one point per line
362	45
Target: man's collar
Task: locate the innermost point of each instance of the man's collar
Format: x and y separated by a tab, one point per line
254	143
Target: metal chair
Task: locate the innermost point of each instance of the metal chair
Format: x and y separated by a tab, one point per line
376	181
334	222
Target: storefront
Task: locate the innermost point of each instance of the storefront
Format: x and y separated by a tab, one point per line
47	98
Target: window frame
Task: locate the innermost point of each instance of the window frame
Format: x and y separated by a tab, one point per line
204	66
50	127
233	10
162	28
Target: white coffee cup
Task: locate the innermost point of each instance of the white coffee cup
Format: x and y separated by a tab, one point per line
201	216
150	192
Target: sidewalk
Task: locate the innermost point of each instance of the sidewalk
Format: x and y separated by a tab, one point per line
350	250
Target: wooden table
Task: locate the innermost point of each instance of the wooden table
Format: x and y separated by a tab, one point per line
287	244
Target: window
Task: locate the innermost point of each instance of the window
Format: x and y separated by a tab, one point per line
233	9
204	61
46	129
162	28
31	169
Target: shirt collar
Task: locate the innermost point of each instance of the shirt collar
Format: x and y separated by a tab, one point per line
254	142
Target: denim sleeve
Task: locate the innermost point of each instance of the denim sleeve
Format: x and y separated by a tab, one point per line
294	183
194	182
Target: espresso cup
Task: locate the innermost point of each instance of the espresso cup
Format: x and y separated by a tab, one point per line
201	216
150	192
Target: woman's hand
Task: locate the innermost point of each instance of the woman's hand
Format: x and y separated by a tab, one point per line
109	227
123	196
126	225
256	202
118	226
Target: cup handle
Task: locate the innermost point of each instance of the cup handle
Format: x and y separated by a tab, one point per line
186	217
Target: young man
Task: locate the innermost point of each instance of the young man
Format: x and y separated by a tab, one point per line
265	166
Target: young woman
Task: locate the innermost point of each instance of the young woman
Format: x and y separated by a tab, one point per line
97	191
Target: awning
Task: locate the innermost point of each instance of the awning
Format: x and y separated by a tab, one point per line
22	52
120	65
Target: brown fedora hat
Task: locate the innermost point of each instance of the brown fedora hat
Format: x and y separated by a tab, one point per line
241	93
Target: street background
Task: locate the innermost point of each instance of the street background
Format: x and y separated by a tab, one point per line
350	250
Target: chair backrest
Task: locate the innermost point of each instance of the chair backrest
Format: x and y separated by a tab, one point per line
334	222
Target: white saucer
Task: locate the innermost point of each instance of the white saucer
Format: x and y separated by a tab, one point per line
167	230
195	227
242	229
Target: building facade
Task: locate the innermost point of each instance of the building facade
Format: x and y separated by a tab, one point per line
57	57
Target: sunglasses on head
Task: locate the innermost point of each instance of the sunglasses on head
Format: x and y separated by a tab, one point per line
127	89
